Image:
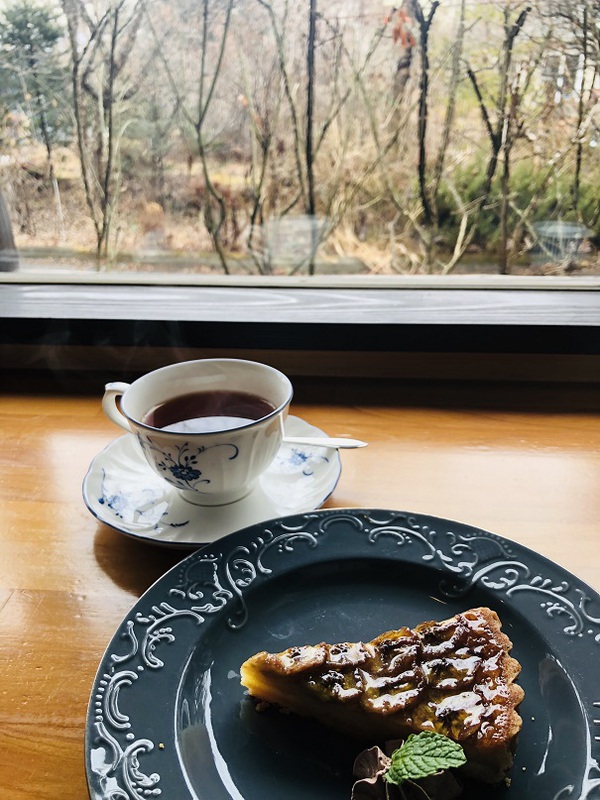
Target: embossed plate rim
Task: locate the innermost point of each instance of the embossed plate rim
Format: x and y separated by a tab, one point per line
126	763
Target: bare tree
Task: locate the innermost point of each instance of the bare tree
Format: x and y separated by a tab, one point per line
424	22
430	167
403	36
29	36
500	130
101	48
579	36
279	33
214	26
310	107
304	121
9	257
262	101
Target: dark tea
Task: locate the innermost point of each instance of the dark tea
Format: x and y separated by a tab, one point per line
208	411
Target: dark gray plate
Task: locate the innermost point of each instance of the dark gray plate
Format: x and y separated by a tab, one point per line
169	719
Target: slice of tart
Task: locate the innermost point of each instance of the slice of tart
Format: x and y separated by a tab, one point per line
454	677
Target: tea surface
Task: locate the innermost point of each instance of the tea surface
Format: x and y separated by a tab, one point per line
208	411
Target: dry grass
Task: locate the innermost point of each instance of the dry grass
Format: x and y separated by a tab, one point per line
143	228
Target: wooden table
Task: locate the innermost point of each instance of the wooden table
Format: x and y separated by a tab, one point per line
522	461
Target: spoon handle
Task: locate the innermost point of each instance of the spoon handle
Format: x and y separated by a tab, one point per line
323	441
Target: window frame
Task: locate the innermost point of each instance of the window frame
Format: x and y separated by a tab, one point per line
471	327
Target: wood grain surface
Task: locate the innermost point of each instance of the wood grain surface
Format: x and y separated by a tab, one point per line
299	305
523	462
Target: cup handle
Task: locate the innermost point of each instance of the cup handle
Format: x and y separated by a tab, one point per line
112	391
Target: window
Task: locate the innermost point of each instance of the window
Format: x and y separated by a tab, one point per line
249	172
260	137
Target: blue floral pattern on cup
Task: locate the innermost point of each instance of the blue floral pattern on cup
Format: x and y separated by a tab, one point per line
183	466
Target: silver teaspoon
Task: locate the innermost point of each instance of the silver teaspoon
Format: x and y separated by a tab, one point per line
323	441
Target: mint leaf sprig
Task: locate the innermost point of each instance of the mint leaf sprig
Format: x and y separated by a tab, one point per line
422	755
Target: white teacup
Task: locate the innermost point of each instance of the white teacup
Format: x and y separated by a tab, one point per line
216	466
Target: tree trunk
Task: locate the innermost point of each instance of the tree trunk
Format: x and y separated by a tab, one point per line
310	88
402	76
504	234
429	222
9	258
576	187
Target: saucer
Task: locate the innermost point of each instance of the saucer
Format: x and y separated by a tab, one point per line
121	490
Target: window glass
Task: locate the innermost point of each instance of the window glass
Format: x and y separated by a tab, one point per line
277	137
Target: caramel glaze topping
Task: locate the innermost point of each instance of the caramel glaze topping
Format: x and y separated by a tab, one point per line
452	677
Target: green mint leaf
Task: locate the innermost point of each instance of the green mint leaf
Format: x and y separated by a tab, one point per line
424	754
